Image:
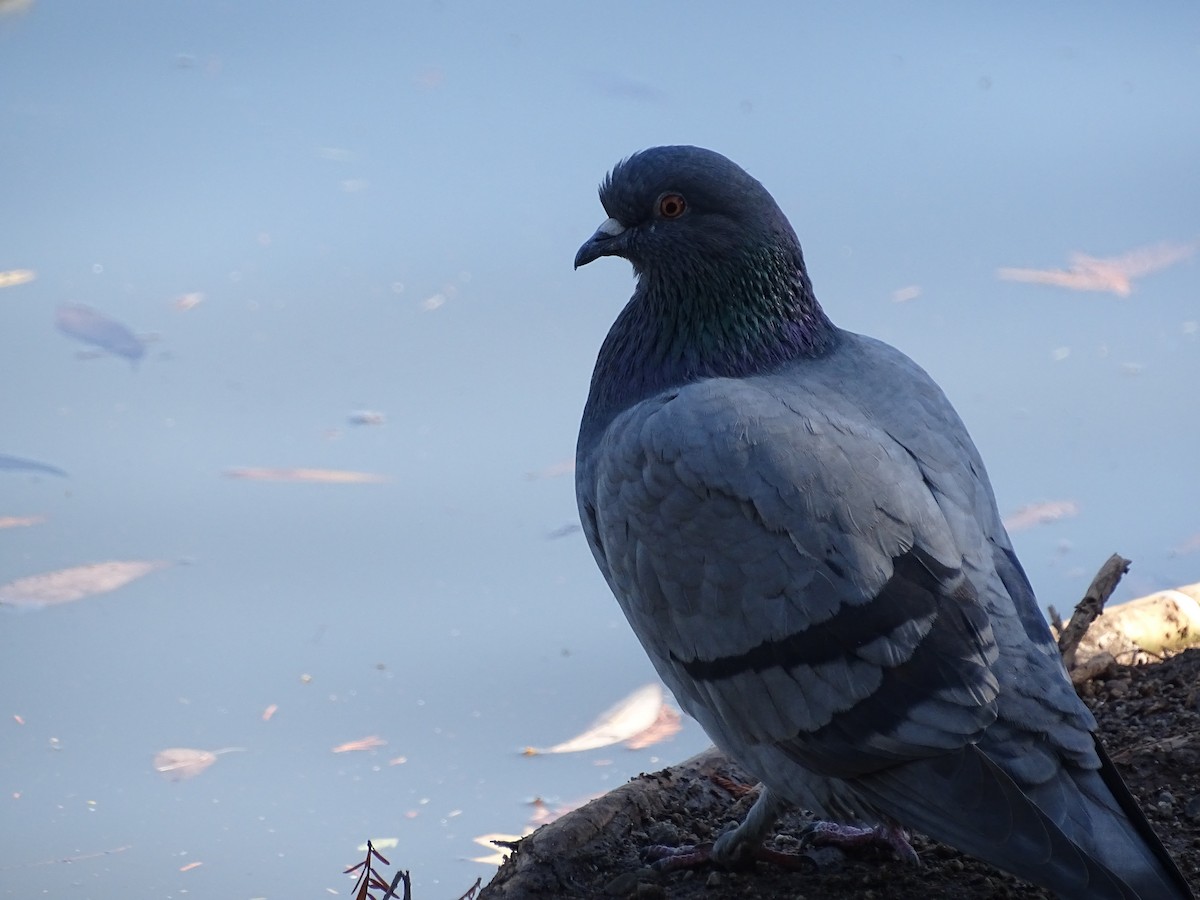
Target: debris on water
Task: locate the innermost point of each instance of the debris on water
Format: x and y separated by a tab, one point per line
367	743
182	763
325	476
639	720
20	521
563	531
184	302
93	327
17	464
366	417
1115	274
67	585
1034	514
13	277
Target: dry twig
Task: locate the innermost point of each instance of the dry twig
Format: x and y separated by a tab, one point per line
1091	606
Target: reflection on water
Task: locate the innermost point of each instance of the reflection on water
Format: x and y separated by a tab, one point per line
93	327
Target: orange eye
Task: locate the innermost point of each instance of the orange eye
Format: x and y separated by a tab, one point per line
671	206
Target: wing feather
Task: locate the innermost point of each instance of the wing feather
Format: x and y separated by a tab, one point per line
792	570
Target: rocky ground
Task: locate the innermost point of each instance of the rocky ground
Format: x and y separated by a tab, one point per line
1149	721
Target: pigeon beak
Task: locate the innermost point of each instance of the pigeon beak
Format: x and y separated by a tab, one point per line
601	243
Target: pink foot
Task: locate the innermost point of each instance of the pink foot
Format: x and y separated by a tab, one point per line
851	837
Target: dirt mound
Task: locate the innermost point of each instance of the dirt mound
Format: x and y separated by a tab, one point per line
1149	722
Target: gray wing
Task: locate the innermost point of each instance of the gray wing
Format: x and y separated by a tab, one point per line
792	577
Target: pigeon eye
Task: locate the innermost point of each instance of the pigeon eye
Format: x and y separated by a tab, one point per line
671	206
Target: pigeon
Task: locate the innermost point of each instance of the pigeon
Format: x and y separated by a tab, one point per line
802	535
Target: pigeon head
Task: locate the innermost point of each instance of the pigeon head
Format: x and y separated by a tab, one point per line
684	206
722	290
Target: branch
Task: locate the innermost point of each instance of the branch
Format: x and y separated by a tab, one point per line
1091	606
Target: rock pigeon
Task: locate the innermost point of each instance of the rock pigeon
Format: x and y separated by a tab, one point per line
803	536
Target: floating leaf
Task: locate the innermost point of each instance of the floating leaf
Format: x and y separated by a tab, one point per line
17	464
667	725
1040	513
66	585
1114	274
182	763
184	302
13	277
367	743
628	719
93	327
325	476
20	521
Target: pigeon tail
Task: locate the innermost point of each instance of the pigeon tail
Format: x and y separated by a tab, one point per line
968	802
1135	851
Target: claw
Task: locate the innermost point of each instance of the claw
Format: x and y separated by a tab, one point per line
677	859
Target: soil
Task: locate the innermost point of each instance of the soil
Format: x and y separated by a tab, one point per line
1149	719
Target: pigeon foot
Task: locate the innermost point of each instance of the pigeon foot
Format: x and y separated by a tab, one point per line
852	837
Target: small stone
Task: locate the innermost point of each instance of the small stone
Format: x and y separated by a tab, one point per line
714	880
787	843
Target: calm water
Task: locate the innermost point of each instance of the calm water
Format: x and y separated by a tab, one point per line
380	209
